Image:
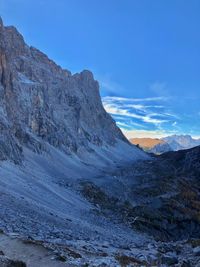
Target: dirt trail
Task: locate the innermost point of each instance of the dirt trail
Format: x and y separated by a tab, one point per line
33	255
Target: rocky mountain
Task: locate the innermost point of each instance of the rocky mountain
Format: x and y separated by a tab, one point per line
178	142
169	143
55	135
42	103
146	143
160	148
73	190
151	145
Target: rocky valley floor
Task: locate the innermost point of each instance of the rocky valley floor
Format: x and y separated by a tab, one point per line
136	214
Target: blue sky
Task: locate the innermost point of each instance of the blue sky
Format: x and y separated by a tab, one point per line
145	54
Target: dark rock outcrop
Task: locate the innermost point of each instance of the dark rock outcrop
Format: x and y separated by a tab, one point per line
6	262
161	195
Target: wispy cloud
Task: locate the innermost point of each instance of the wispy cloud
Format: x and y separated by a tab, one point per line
124	99
123	125
159	89
148	118
161	113
108	85
137	112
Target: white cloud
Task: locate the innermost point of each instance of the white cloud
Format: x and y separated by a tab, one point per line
117	110
159	88
124	99
122	124
137	108
106	83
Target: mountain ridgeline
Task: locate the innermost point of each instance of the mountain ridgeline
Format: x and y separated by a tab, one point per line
169	143
41	102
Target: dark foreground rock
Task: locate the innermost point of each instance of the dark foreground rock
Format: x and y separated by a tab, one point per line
161	195
6	262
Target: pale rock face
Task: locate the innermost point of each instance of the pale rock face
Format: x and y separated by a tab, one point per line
39	101
178	142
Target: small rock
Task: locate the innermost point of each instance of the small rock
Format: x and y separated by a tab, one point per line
6	262
196	251
169	260
186	263
60	258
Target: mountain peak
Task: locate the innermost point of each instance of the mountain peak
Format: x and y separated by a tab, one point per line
43	103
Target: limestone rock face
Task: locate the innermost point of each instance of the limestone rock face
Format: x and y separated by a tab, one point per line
41	102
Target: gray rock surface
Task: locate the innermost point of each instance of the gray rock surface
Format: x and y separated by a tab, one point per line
197	251
40	101
160	148
179	142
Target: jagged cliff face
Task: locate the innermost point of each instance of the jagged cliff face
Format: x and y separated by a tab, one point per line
39	101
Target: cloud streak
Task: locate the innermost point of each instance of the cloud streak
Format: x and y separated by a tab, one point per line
124	99
137	112
147	118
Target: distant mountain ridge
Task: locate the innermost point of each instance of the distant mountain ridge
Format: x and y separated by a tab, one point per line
169	143
178	142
